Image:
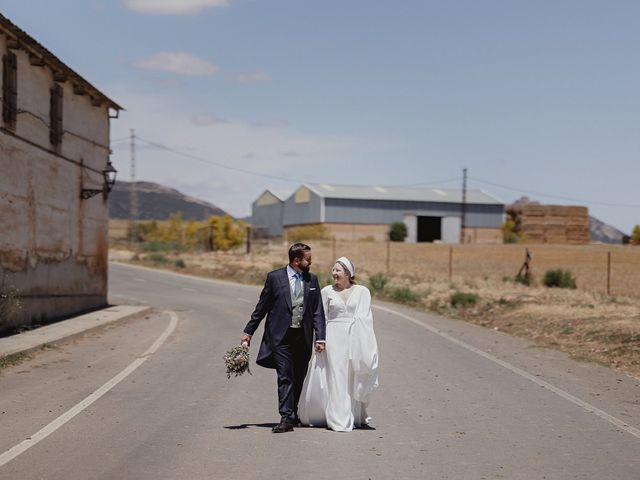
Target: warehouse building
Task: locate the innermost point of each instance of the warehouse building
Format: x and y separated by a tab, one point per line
365	212
267	212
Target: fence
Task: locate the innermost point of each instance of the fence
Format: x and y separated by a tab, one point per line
610	269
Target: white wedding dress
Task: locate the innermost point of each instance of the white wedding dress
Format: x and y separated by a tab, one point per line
340	381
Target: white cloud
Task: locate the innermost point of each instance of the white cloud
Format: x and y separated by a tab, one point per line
253	77
164	118
172	7
180	63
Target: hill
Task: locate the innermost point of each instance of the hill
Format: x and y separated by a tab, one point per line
157	202
602	232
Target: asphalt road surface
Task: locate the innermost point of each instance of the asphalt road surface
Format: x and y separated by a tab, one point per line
149	399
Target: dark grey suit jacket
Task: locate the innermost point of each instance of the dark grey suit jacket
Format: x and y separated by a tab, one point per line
275	303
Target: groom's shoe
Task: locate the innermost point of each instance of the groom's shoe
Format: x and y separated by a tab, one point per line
282	427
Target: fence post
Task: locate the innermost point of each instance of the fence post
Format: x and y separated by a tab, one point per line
248	240
333	247
608	273
450	263
388	254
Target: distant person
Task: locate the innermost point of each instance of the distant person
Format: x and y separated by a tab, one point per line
338	386
292	304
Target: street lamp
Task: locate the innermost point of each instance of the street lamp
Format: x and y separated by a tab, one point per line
109	178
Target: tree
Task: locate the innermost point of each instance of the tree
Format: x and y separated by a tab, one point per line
227	232
397	232
635	235
510	234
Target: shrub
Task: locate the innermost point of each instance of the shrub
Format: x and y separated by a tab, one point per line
180	263
461	299
377	282
559	278
510	233
157	258
397	232
403	295
307	232
524	279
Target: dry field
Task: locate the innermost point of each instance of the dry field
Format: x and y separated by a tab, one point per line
586	323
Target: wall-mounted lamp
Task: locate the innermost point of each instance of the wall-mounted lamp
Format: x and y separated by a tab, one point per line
109	175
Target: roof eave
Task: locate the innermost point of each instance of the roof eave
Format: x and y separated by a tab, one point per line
23	40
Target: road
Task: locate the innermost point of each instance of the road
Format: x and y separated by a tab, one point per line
455	402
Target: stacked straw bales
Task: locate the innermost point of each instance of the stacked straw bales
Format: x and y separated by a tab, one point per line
557	224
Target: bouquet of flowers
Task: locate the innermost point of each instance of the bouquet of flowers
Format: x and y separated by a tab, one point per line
237	360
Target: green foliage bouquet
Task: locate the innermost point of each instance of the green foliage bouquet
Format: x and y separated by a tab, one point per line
237	361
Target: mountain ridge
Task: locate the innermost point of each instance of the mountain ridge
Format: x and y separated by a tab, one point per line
157	202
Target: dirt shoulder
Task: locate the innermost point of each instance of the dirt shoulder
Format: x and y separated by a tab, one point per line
588	326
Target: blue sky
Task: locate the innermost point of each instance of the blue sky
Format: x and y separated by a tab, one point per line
538	98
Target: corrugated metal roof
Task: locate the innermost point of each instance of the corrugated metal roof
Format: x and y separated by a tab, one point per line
23	40
443	195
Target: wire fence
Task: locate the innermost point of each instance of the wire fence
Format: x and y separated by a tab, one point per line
607	269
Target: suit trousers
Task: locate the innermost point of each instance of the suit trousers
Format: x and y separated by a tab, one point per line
292	359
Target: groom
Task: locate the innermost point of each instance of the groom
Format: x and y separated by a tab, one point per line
292	303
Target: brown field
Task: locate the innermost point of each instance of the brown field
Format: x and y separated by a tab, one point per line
588	263
586	322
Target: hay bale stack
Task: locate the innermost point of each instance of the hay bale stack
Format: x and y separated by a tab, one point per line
557	224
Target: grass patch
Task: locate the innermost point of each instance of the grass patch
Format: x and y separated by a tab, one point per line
161	247
504	303
377	282
403	295
157	258
463	300
13	360
180	263
525	279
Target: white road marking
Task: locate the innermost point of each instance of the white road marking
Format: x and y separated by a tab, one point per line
23	446
244	300
567	396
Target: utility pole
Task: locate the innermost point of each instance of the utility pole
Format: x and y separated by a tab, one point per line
463	210
133	194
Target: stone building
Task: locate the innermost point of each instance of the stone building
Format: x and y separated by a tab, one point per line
54	149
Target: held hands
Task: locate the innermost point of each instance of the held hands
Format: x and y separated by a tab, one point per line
245	340
320	347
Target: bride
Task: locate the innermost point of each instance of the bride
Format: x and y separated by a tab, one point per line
339	383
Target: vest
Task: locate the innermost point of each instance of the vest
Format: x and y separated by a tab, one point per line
297	304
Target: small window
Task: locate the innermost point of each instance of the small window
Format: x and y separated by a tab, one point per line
55	115
9	89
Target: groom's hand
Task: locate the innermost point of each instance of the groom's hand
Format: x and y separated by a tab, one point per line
320	347
245	339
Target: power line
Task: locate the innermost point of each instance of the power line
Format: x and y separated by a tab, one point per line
265	175
218	164
437	182
559	197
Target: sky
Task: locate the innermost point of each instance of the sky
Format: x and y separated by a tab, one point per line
537	98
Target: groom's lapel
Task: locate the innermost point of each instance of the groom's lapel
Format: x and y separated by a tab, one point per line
286	287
